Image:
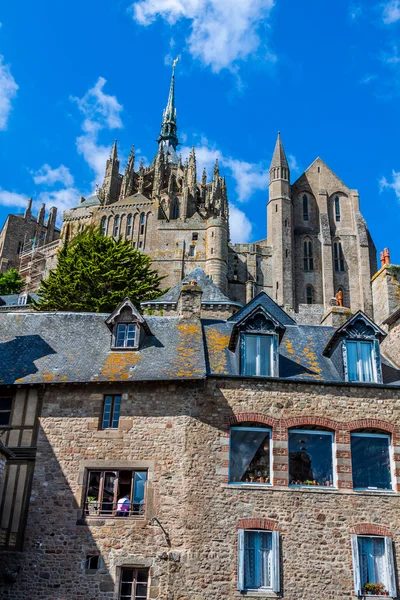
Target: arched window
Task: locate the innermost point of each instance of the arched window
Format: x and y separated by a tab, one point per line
116	226
104	226
129	226
338	257
142	224
308	255
337	208
305	207
309	294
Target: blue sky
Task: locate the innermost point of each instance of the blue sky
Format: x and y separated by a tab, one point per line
75	75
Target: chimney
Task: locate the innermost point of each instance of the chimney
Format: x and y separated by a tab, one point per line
189	303
386	256
336	315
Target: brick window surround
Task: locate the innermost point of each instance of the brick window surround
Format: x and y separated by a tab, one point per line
342	431
370	529
257	523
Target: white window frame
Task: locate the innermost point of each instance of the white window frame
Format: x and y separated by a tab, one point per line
390	571
275	566
334	461
258	355
115	335
266	429
391	457
373	359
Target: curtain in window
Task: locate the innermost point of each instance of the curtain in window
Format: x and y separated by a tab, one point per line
366	361
257	560
257	351
251	354
372	560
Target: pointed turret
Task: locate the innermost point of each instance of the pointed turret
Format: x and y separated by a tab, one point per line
28	210
128	181
168	139
111	187
193	172
279	168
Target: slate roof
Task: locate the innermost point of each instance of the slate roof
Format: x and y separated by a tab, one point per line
12	299
211	294
91	201
75	347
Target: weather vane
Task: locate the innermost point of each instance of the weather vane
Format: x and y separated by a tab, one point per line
175	61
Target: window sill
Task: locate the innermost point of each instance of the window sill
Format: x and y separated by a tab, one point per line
102	519
246	485
308	490
254	594
326	488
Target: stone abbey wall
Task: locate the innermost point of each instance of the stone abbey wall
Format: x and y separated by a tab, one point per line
180	432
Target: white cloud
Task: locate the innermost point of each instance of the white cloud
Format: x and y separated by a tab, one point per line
221	31
63	199
13	199
249	177
48	176
391	12
293	164
8	91
239	225
394	184
101	111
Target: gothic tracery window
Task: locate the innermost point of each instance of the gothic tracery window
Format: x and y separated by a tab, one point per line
337	209
116	226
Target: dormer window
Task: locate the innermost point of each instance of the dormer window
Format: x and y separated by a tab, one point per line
125	336
23	299
257	355
127	326
360	361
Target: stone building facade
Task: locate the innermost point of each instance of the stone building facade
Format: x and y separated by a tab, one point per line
318	243
24	233
168	417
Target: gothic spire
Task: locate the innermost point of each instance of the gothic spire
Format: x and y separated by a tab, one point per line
114	152
127	187
279	168
168	139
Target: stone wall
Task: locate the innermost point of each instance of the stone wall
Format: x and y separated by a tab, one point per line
180	432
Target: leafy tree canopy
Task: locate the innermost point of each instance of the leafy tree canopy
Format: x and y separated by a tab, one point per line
95	273
11	282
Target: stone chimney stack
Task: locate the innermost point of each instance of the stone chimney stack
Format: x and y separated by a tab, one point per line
189	303
336	315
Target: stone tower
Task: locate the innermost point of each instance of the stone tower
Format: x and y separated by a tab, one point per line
280	227
111	187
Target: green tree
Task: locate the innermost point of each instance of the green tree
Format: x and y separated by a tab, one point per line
11	282
95	273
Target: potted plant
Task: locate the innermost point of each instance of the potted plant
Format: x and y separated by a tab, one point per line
374	589
92	505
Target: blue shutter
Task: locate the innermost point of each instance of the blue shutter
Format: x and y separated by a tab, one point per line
391	577
241	559
276	574
356	565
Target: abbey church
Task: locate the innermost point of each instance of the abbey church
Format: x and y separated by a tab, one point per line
318	243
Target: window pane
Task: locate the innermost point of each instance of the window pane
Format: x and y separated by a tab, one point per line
107	412
250	456
116	413
250	354
265	355
257	559
352	365
365	349
130	335
310	458
370	462
121	332
139	491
